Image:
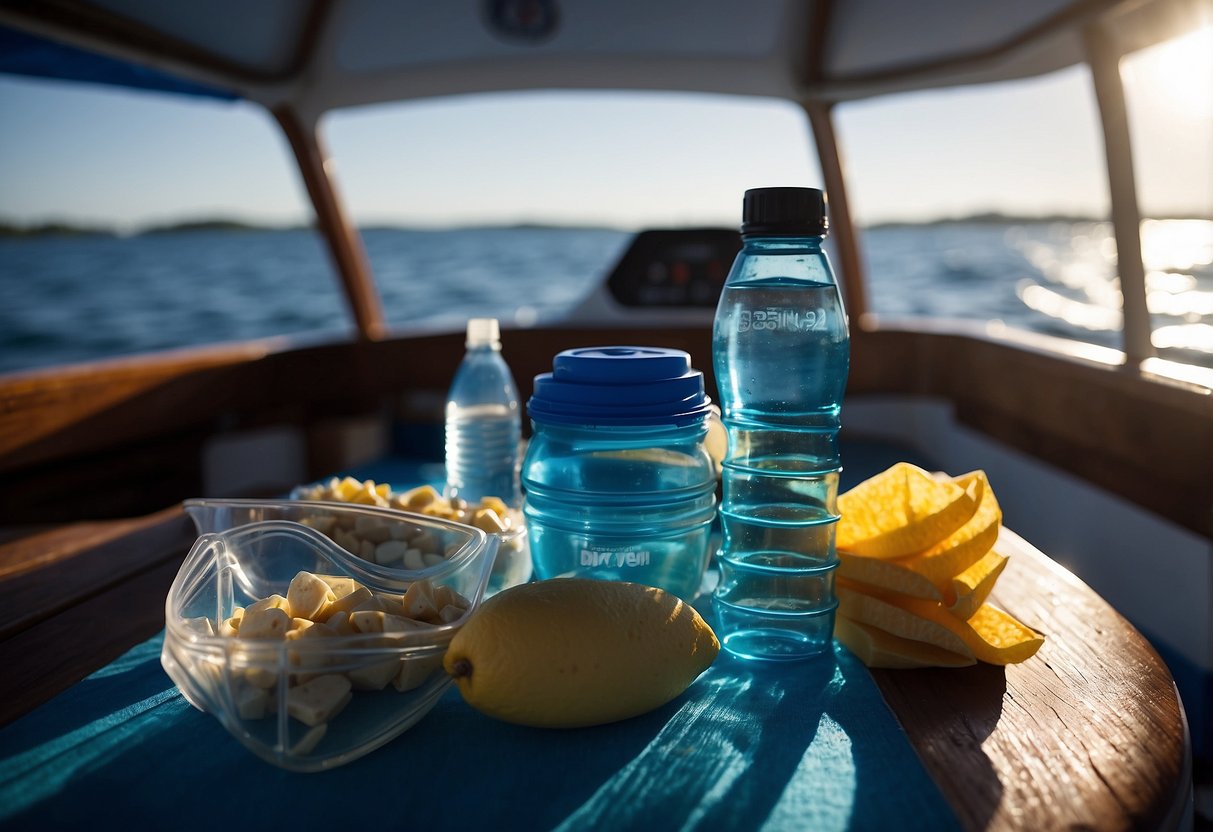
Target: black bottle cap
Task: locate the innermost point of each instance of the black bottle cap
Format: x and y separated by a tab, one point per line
784	212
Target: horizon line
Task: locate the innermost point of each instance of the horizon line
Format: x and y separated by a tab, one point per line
51	226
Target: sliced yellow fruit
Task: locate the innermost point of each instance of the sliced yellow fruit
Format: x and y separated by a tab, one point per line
966	545
994	636
881	612
971	587
991	635
878	648
902	511
888	575
1009	640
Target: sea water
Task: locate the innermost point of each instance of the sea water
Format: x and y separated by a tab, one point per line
68	299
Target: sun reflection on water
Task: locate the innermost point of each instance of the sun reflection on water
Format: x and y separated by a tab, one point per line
1081	288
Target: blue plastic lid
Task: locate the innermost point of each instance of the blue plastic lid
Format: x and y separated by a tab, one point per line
620	386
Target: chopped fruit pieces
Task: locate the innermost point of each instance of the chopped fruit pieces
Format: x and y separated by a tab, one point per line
902	511
971	587
916	565
878	648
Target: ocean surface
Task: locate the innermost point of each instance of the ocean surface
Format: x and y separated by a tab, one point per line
67	299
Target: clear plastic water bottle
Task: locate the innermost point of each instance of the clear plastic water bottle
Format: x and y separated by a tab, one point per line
619	484
781	352
483	421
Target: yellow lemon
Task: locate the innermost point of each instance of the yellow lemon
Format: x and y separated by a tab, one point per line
571	652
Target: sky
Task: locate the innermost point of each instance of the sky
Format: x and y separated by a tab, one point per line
103	156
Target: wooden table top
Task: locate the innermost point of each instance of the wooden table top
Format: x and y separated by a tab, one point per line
1088	733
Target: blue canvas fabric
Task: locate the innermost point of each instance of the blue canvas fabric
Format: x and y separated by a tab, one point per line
24	54
795	746
770	746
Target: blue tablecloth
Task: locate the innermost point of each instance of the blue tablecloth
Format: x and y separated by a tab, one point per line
773	746
749	746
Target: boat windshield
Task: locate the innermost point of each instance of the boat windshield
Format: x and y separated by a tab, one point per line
980	204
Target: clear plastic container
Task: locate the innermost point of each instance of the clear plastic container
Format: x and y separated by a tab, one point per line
512	565
619	485
781	351
253	685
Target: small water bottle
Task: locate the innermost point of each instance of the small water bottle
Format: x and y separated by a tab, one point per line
781	352
619	484
483	421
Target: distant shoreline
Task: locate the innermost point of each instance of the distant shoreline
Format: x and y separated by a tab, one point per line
9	230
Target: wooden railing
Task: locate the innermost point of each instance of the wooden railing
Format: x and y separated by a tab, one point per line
122	437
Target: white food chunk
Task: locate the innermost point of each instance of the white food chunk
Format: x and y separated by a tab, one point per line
374	676
322	523
415	670
413	559
374	621
308	742
372	529
273	602
319	700
488	520
390	603
419	602
251	702
390	552
308	594
427	542
340	624
346	541
341	585
270	622
308	653
358	599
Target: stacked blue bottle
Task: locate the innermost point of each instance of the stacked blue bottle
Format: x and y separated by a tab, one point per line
781	354
618	483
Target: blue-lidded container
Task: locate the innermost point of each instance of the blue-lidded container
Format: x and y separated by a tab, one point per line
618	483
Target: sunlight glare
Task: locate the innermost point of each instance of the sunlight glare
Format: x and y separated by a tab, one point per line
1178	73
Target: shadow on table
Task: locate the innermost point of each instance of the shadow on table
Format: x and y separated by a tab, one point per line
948	713
798	745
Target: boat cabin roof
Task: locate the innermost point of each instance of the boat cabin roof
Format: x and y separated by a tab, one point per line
326	54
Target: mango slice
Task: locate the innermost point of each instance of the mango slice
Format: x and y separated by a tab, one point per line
881	612
970	588
877	648
966	545
888	575
902	511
